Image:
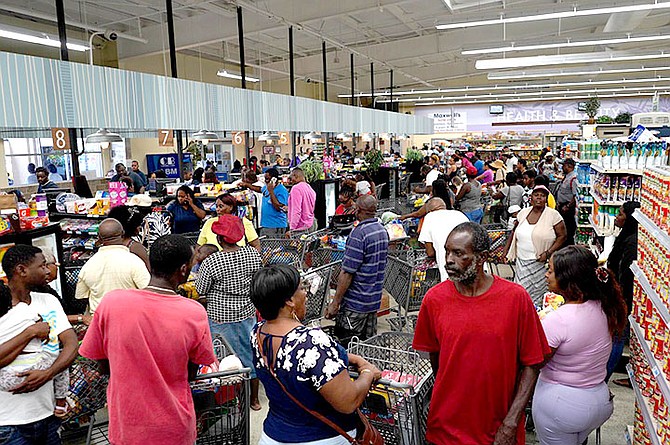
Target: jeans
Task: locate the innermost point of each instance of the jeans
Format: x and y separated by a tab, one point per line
238	336
618	343
42	432
475	216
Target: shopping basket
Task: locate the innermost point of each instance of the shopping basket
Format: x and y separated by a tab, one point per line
498	236
221	401
407	281
87	394
398	404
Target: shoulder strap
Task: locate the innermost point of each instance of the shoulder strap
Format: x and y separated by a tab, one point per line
315	414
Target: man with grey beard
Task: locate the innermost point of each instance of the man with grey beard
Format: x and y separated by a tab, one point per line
486	346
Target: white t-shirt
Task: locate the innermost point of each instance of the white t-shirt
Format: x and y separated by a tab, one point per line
524	241
17	320
20	409
511	163
431	177
437	226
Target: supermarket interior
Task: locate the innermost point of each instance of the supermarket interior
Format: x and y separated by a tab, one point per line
334	155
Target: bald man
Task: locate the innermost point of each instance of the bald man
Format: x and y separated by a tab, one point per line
112	267
359	287
437	225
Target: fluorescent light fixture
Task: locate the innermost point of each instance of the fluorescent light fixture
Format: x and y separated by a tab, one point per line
594	92
540	99
564	59
313	136
344	136
538	74
568	44
204	136
556	15
589	83
46	41
224	73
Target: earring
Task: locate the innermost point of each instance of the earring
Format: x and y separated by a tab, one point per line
295	317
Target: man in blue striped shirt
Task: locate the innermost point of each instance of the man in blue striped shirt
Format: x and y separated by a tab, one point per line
359	288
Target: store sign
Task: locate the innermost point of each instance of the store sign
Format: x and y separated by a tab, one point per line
165	138
449	120
268	149
238	138
61	137
169	163
284	138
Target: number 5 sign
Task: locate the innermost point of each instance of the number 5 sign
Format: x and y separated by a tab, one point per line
284	138
61	138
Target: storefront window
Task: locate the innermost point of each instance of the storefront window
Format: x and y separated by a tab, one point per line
23	155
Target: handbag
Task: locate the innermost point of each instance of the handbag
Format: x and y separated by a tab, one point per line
370	435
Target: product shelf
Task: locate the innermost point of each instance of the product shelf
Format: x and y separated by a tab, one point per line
597	229
629	434
653	229
60	215
660	306
651	360
603	202
649	422
616	171
584	161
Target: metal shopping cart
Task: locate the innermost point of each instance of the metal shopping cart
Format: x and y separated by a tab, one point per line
498	235
407	279
221	403
86	396
292	251
318	286
398	404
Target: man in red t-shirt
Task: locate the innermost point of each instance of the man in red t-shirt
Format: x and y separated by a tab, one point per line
486	346
151	341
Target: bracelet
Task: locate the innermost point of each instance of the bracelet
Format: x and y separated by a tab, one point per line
365	370
80	318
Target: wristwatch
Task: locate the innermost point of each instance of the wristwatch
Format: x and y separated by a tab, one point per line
80	319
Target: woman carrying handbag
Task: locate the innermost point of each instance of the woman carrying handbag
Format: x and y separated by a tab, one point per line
312	399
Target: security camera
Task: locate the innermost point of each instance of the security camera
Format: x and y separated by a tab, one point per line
111	35
308	80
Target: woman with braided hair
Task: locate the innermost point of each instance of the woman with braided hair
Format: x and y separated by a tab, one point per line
571	397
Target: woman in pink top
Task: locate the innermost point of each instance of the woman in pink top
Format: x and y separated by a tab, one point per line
571	397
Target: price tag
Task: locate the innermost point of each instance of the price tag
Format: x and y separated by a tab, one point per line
655	371
284	138
165	138
238	138
61	138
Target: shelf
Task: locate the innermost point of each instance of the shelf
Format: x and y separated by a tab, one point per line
584	226
656	369
584	161
660	306
585	204
597	229
653	229
649	422
618	171
60	215
629	434
602	202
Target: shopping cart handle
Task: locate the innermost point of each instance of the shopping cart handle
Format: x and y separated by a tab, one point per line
385	382
220	374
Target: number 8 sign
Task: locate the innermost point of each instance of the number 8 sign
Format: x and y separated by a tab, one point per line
61	138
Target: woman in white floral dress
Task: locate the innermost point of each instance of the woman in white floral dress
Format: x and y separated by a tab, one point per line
310	365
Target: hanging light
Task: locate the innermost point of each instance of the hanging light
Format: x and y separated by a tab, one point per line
204	136
269	136
344	136
313	136
404	136
367	137
103	137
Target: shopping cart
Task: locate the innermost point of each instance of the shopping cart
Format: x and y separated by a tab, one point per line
398	404
498	236
87	395
291	251
221	403
407	281
318	285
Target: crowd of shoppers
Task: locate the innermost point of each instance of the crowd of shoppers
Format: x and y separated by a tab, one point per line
488	349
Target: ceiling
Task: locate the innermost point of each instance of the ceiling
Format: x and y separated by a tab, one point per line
392	34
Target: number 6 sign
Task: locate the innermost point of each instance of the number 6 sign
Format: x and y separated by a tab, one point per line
238	138
61	138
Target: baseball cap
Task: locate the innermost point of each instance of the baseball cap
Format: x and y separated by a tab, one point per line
541	188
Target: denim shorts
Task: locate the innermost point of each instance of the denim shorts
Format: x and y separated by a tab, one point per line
238	336
42	432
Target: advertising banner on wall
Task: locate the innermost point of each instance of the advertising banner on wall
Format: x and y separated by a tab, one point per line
544	115
169	163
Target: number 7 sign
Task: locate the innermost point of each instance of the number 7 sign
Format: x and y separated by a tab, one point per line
165	138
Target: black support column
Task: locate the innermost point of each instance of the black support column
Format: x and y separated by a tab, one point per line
173	73
372	85
292	81
243	72
353	98
325	71
62	35
391	90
